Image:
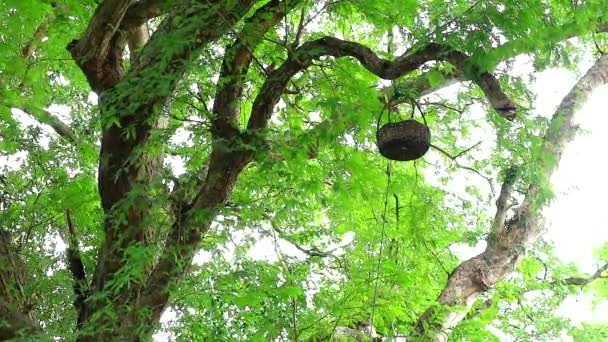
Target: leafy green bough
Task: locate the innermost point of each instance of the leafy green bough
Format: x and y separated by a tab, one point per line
227	128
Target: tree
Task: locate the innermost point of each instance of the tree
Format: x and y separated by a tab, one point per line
272	107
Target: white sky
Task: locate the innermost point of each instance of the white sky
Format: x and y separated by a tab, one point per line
577	220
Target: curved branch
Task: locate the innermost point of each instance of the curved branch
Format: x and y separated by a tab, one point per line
237	60
303	57
140	12
224	165
582	281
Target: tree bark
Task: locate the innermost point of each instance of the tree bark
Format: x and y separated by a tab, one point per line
121	169
16	319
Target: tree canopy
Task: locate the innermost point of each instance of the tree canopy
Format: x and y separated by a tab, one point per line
214	163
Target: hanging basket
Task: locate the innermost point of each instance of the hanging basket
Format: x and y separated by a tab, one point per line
403	140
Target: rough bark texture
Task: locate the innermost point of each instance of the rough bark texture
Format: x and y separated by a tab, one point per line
226	162
303	57
15	308
510	236
121	164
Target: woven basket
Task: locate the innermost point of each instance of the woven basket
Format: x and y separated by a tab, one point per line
403	140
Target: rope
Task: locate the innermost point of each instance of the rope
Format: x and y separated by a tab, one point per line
382	236
421	113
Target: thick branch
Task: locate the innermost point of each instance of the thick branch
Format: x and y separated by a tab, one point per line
227	160
476	275
303	57
237	59
140	12
190	226
97	52
130	110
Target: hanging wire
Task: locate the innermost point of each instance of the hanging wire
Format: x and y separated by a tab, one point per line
387	105
421	112
413	111
382	236
380	118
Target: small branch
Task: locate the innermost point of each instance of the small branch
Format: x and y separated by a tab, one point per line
581	281
300	30
44	117
76	268
453	158
312	252
467	150
502	205
28	50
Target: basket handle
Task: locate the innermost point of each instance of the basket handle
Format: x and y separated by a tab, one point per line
414	102
387	105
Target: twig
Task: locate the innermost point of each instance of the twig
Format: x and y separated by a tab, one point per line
300	30
579	281
453	158
76	268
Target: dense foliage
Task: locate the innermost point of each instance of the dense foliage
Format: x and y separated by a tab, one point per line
124	159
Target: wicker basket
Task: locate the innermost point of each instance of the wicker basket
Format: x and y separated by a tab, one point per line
403	140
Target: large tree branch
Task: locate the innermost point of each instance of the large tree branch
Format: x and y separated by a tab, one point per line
155	78
130	109
98	52
190	226
140	12
41	115
226	161
303	57
237	60
505	248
